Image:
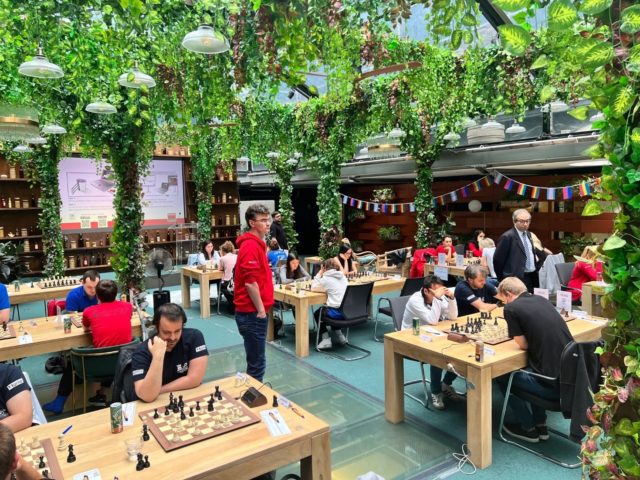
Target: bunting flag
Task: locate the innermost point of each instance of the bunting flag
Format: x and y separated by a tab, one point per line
551	193
476	186
567	193
454	196
487	181
535	192
497	178
508	185
384	208
412	207
465	191
441	199
345	199
522	189
585	189
376	207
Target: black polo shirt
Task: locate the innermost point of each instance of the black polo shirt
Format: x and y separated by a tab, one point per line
12	382
465	296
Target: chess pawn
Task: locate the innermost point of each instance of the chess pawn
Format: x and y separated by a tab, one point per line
35	443
62	445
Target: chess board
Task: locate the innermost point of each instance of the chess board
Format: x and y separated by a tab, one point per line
10	332
367	279
59	282
490	334
44	448
173	433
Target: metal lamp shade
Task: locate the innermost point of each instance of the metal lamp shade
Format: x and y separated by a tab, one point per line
205	40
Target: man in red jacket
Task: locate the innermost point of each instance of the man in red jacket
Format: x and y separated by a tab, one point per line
253	288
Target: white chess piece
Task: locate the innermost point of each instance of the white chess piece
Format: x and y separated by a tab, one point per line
62	446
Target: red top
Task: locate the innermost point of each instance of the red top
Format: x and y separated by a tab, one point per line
442	249
477	252
582	272
110	323
252	266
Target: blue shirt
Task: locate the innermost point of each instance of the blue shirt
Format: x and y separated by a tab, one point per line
4	297
275	256
78	300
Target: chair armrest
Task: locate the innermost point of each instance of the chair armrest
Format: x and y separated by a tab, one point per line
539	375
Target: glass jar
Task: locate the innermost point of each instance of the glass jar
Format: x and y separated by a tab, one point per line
227	219
25	203
1	232
24	232
16	202
13	173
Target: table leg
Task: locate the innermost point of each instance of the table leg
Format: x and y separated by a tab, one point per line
205	309
318	465
587	299
393	383
479	426
270	333
302	327
185	283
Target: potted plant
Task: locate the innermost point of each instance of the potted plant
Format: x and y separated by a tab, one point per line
389	233
355	215
11	265
382	195
356	246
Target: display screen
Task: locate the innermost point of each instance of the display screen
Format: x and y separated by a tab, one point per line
87	189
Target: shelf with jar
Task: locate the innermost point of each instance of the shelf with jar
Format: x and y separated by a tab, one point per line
87	261
19	204
13	237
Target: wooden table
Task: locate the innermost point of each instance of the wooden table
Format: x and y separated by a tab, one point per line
305	299
49	338
590	293
27	293
429	268
240	454
310	261
204	277
508	357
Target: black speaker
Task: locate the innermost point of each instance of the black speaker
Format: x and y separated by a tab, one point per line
160	298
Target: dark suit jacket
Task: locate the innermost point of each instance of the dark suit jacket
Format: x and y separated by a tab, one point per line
510	258
277	231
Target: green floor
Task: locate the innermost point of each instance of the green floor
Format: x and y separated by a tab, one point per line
350	397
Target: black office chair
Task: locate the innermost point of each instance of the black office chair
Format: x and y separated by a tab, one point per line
564	271
355	310
397	307
411	286
571	402
460	249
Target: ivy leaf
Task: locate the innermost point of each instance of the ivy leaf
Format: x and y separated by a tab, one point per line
593	53
561	14
541	61
469	20
514	39
511	5
630	19
579	113
635	137
547	93
613	243
592	208
633	62
456	39
622	100
591	7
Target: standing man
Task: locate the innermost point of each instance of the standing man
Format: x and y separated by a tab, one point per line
85	295
515	255
474	294
277	231
253	293
537	327
4	304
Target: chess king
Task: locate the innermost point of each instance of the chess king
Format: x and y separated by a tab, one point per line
173	359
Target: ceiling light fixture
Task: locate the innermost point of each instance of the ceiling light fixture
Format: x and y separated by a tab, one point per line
54	129
492	124
18	122
516	128
40	67
205	40
22	148
556	106
135	78
37	140
101	108
451	137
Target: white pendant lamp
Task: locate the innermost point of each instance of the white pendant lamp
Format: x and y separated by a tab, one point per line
492	124
205	40
54	129
469	122
516	128
451	137
556	106
135	79
22	148
37	140
40	67
101	108
396	132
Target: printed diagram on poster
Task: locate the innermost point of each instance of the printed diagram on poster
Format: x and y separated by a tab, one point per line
87	189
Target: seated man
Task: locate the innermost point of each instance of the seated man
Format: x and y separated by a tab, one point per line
175	359
16	409
110	324
332	280
434	302
4	304
474	294
538	328
84	295
12	465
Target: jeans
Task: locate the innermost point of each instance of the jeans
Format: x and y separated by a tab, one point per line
437	380
254	333
528	414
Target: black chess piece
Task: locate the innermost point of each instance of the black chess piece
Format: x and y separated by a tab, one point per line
211	399
45	474
146	461
4	327
198	405
180	401
175	408
496	322
71	457
171	398
210	406
166	411
191	414
140	464
42	464
466	328
275	401
155	413
145	432
218	393
182	415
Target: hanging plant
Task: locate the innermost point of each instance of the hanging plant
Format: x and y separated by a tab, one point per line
389	233
383	195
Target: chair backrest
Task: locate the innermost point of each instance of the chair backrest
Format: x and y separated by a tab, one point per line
52	304
460	249
579	369
397	306
355	303
564	271
315	268
411	286
123	388
101	362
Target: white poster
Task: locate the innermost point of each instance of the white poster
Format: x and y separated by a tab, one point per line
541	292
563	301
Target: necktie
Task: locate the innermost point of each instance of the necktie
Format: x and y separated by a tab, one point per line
530	265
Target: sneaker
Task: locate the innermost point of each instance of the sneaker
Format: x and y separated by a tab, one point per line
450	393
517	431
340	338
99	400
437	401
325	343
543	432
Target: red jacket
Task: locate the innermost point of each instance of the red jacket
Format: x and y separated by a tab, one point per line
477	252
582	273
252	266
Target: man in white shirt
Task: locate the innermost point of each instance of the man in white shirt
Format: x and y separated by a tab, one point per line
434	302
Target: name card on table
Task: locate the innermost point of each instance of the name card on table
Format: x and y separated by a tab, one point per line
563	301
459	260
24	339
541	292
442	259
442	273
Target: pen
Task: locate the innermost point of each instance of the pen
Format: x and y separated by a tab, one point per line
274	417
67	429
297	412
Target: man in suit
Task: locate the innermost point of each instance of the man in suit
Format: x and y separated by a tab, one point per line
515	255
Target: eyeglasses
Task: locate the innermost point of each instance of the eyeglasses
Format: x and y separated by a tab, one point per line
262	220
520	220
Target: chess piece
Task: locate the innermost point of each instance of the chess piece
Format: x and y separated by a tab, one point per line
42	464
62	445
191	414
211	399
170	398
21	328
140	464
218	394
45	474
275	401
166	411
155	413
210	406
22	449
35	443
182	415
71	457
146	461
198	405
180	402
145	432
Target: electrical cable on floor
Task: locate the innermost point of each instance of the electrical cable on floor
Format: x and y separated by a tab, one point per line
463	459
